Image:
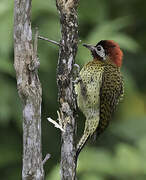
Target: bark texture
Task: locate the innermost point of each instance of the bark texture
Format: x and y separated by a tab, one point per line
68	48
29	89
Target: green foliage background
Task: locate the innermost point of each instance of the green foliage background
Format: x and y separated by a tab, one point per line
119	153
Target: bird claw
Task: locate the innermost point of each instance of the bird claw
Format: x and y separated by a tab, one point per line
78	79
76	71
77	67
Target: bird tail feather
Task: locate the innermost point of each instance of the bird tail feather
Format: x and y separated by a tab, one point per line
91	125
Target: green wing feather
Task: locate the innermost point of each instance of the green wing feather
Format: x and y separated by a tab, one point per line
111	92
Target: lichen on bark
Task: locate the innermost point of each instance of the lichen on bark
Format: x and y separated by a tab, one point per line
66	96
29	89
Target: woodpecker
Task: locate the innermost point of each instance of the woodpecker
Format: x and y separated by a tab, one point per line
99	88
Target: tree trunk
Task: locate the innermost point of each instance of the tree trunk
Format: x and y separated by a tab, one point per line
68	49
29	89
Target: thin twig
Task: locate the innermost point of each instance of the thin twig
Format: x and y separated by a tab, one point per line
36	41
46	158
35	63
51	41
56	124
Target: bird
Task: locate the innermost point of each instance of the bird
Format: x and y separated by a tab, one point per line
99	88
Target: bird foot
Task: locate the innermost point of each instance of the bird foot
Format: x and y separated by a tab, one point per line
77	67
78	79
76	71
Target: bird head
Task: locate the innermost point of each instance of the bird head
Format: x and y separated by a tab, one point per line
106	50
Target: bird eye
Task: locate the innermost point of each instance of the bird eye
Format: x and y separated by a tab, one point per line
98	48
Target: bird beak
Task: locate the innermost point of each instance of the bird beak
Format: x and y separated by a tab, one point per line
90	47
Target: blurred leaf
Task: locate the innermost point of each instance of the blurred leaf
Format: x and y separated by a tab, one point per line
99	15
127	160
9	157
54	174
130	129
47	6
9	104
111	30
6	66
6	18
91	176
126	42
99	160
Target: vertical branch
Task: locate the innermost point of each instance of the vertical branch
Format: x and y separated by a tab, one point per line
69	29
29	89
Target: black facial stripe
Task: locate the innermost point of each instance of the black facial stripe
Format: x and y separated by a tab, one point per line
102	43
